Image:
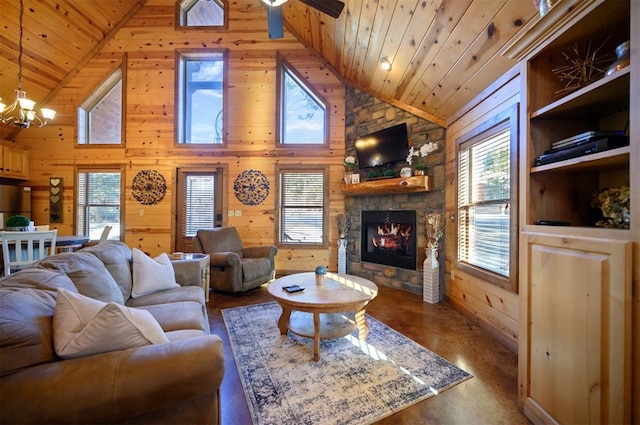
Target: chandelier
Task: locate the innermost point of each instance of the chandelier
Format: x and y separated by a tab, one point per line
21	112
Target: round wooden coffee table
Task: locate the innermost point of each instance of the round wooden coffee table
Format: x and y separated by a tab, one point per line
336	308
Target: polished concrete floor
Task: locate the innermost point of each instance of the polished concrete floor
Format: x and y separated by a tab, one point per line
489	397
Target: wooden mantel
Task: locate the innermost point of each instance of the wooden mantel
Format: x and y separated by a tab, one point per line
388	186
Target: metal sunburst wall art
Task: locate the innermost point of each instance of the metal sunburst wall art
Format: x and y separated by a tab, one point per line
584	67
149	187
251	187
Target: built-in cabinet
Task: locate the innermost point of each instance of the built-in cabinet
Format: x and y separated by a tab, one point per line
14	161
575	342
575	277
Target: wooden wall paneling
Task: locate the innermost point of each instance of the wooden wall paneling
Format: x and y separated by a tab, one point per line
493	308
150	50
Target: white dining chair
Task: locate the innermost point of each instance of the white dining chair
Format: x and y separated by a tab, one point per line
20	249
105	234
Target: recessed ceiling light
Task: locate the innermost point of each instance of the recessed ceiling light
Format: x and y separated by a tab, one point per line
385	64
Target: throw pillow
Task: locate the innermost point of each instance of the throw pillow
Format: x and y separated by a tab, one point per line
151	274
83	326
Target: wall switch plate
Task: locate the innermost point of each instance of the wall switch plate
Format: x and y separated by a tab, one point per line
230	213
141	213
238	213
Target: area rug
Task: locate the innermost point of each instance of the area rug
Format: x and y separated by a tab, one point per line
353	383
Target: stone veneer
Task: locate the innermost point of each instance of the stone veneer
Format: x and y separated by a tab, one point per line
366	114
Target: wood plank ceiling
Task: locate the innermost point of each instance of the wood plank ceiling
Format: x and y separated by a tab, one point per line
443	52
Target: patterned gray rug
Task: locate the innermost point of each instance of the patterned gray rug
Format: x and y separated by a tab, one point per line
353	383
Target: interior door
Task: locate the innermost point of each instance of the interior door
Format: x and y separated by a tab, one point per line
199	204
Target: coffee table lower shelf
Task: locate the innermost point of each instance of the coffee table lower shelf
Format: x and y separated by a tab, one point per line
332	325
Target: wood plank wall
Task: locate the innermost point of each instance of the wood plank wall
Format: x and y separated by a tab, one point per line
490	306
148	43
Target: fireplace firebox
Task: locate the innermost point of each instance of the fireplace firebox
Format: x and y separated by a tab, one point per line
389	237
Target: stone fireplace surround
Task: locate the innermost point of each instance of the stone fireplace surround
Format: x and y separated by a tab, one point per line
366	114
387	275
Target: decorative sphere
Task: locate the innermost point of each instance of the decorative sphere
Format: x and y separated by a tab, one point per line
321	270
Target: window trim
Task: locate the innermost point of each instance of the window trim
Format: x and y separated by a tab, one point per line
283	64
97	169
284	168
179	19
481	132
180	56
92	99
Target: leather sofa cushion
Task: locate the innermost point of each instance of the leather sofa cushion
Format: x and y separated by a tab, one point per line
182	293
88	274
27	303
254	268
116	257
177	316
220	239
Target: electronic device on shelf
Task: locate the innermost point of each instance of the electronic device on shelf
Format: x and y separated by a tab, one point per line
594	144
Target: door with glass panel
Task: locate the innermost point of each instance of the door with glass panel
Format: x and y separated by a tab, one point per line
199	204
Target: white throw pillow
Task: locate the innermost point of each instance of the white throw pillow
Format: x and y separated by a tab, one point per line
83	326
151	274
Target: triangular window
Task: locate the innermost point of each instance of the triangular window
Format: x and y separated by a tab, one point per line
302	112
201	13
100	117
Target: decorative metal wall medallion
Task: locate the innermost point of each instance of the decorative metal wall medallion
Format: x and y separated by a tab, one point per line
149	187
251	187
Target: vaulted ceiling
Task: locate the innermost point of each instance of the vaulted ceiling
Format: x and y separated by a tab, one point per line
443	52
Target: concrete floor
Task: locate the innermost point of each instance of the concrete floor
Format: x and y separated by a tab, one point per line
489	397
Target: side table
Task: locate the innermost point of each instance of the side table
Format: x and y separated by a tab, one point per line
193	270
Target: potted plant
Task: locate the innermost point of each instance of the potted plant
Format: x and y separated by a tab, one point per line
17	223
418	169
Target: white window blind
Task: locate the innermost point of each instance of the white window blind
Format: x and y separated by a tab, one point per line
199	208
484	201
98	203
302	207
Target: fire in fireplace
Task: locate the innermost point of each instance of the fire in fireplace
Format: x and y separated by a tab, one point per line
389	237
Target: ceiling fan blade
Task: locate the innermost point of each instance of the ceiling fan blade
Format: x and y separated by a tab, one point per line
332	8
274	21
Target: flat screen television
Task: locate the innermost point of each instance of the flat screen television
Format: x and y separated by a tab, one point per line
383	147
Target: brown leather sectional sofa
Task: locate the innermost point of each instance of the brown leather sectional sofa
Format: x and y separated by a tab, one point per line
174	382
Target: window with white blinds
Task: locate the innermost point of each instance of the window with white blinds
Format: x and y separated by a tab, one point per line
485	199
98	203
301	209
199	203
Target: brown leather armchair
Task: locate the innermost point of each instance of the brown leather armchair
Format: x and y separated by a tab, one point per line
233	267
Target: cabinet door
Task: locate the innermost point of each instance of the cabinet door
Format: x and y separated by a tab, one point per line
575	331
15	162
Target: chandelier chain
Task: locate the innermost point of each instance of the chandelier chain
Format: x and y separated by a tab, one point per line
20	47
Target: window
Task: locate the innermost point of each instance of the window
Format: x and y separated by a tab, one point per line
301	211
100	117
302	114
487	197
201	13
201	97
99	196
199	203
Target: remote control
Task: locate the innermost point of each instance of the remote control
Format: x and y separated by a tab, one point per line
293	288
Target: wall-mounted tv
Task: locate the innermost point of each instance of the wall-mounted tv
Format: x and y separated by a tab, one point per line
383	147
